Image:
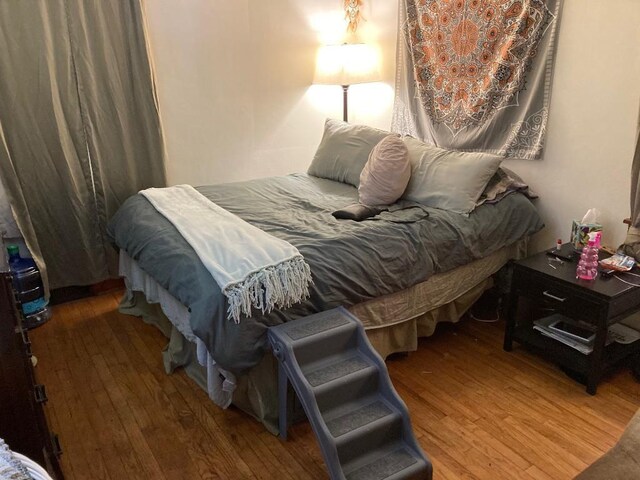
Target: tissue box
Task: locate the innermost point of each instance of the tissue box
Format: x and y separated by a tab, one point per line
580	233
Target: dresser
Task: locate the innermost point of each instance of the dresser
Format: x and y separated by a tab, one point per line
23	424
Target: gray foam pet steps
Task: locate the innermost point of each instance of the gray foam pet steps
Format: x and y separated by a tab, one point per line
361	423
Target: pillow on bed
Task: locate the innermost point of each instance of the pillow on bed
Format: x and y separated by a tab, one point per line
344	151
386	174
503	183
447	179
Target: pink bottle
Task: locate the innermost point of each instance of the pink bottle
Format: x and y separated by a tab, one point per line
588	263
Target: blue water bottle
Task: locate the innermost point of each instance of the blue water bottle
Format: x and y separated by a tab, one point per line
28	286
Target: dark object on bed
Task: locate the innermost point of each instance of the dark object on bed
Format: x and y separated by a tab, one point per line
358	212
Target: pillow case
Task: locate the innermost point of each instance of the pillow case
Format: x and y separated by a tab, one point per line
344	151
386	174
447	179
503	183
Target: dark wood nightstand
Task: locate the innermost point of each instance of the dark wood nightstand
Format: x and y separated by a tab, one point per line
540	287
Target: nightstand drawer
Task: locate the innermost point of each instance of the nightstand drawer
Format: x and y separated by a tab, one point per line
555	295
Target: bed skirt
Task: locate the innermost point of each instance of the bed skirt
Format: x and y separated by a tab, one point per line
393	324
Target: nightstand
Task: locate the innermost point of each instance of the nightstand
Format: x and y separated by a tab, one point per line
541	287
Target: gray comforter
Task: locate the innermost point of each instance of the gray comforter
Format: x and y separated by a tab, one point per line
350	262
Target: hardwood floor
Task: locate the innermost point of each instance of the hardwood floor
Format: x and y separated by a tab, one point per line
478	412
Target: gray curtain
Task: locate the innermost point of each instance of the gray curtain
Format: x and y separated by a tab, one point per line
79	127
631	244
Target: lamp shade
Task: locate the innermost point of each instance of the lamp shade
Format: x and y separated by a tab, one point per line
346	64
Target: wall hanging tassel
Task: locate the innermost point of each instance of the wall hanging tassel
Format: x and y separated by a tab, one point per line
352	14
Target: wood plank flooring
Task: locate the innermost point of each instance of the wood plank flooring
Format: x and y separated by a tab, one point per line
478	412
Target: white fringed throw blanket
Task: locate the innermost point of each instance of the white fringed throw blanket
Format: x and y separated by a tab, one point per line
253	268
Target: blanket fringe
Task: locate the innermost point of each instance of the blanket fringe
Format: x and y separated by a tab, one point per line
279	285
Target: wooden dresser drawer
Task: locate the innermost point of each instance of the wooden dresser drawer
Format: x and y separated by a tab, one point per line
553	294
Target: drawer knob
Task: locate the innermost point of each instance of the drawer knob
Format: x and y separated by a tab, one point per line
550	295
27	348
40	393
57	449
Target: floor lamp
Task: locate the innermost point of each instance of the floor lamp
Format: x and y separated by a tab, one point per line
346	65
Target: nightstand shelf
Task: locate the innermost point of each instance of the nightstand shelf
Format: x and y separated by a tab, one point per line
540	287
568	356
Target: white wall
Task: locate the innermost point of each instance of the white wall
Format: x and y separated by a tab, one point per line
234	90
234	83
593	120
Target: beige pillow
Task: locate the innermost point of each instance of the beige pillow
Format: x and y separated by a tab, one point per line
448	179
386	174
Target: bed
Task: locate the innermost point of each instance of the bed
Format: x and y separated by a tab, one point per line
401	273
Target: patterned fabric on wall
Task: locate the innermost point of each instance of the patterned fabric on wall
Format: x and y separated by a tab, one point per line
475	75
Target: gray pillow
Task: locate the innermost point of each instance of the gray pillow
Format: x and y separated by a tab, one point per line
447	179
344	151
504	183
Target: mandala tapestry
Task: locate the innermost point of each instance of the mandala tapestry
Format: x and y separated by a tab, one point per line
475	75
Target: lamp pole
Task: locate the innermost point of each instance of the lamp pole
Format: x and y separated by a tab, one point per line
345	113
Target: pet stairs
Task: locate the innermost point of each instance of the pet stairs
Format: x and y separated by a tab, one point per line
361	423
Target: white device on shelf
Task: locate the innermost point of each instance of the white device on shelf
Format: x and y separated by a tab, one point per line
564	326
